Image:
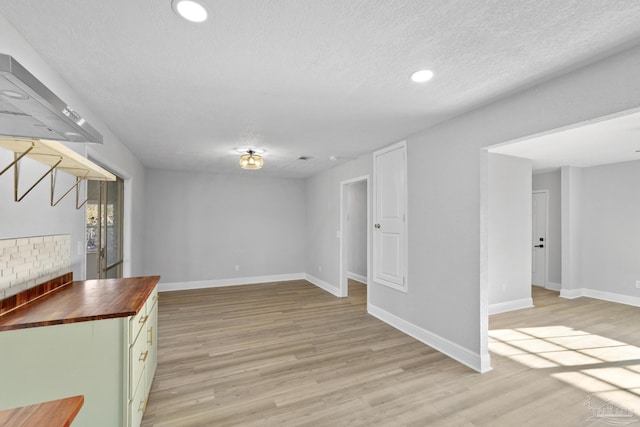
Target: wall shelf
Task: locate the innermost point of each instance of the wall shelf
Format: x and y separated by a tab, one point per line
58	158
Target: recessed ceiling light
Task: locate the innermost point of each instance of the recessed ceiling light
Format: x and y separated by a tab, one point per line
189	10
422	76
13	94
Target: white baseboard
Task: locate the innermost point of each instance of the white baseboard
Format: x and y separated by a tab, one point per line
554	286
323	285
357	277
475	361
236	281
503	307
571	293
612	297
601	295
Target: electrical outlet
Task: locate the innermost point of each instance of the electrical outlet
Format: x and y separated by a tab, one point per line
319	269
638	284
237	268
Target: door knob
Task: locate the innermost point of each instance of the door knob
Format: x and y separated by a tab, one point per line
539	246
377	226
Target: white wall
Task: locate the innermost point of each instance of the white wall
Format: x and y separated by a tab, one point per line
323	221
200	226
551	181
610	228
509	233
357	228
33	216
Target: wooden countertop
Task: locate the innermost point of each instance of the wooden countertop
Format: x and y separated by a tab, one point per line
82	301
55	413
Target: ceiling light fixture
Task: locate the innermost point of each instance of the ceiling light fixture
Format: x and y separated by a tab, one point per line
189	10
14	95
422	76
251	160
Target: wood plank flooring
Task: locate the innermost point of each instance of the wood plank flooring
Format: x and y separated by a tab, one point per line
291	354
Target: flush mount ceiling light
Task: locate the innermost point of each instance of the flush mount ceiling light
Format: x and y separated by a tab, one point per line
251	160
422	76
189	10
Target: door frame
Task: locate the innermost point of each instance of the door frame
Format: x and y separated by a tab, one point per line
546	234
343	290
127	215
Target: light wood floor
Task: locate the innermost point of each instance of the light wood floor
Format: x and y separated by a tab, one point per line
292	354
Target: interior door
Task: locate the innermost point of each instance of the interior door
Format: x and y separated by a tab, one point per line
389	236
104	214
539	239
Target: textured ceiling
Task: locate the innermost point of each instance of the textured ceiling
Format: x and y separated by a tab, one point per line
609	141
302	77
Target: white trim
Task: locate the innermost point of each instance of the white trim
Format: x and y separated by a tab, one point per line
503	307
343	286
612	297
475	361
236	281
325	286
571	293
554	286
357	277
546	235
601	295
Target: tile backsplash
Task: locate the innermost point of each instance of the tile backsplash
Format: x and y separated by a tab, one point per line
29	261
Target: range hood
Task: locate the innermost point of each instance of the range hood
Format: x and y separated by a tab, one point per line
29	110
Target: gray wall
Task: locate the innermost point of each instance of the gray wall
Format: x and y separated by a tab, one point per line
202	225
509	232
323	218
571	216
447	192
33	216
551	181
357	228
610	228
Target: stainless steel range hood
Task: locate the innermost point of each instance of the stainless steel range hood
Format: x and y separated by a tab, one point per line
29	110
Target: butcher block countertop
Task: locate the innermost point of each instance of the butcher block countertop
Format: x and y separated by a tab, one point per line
81	301
55	413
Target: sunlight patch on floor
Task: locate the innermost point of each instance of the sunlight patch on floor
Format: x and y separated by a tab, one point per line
604	368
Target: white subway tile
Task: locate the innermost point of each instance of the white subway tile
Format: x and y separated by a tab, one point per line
7	243
9	250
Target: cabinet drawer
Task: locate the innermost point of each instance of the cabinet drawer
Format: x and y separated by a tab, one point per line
137	405
138	356
136	323
153	300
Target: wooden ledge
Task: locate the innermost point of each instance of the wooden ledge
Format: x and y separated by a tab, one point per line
54	413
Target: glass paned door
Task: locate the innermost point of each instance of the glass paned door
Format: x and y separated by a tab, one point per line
104	215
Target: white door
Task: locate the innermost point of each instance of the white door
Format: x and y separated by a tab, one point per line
539	239
389	236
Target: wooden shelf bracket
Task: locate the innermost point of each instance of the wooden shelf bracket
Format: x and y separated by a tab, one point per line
57	157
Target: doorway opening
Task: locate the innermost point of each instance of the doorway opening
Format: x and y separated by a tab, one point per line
354	233
104	229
